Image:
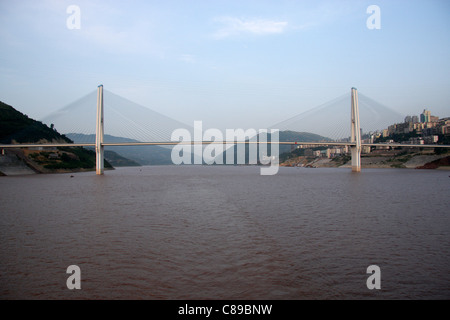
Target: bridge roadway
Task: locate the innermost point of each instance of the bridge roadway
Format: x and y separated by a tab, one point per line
169	143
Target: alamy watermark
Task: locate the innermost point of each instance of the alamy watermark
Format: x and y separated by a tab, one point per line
74	20
74	281
374	280
374	21
194	150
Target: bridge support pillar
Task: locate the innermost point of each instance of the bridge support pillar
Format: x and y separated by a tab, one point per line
99	148
355	133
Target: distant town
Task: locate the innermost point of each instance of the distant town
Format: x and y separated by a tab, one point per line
426	129
415	130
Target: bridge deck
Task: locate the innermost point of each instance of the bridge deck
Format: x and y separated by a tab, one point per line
168	143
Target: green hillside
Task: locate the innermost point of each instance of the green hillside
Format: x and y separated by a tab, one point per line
15	127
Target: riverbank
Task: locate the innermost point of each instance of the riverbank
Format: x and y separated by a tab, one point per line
408	161
25	162
17	162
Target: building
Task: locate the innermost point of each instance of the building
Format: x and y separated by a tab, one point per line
392	129
425	116
434	119
445	129
416	141
431	139
366	149
325	153
419	127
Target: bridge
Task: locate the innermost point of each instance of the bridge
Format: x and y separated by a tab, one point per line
355	142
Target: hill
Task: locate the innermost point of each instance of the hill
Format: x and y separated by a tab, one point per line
15	127
286	136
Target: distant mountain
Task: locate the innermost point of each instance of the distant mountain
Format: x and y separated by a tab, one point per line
301	136
293	136
143	155
284	136
116	160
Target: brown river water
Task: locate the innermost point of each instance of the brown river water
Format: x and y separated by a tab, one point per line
220	232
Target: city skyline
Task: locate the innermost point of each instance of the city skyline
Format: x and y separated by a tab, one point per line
229	63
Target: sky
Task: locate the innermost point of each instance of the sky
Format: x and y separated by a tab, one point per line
230	64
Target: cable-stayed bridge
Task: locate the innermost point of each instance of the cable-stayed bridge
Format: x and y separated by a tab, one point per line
103	119
126	119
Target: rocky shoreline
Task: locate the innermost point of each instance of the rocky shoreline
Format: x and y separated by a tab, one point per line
11	165
437	164
408	162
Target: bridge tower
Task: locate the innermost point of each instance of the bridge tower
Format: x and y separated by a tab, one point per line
356	133
99	148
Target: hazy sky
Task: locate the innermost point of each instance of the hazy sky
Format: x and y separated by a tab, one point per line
229	63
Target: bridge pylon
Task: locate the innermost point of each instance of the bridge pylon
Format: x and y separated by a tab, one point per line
99	148
355	133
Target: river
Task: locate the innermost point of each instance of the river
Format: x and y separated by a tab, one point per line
226	232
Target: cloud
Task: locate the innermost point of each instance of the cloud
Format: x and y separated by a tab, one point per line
235	26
